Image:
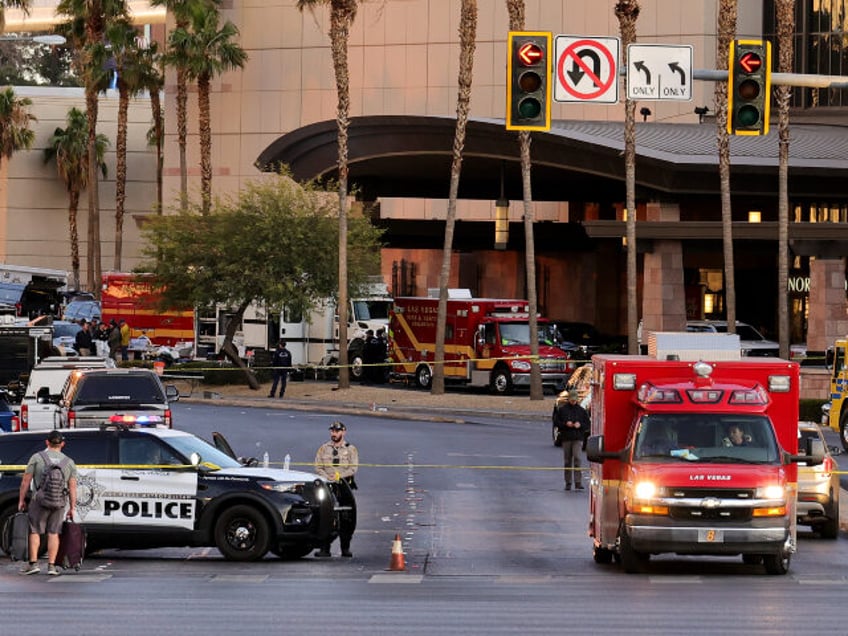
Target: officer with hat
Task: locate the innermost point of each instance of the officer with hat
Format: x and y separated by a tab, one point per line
337	461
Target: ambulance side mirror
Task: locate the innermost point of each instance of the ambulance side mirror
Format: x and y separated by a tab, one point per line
814	453
595	450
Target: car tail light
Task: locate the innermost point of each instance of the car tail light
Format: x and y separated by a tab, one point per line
826	468
168	423
72	419
16	423
25	416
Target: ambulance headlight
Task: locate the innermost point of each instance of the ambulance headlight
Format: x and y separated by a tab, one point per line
645	490
770	492
520	365
295	487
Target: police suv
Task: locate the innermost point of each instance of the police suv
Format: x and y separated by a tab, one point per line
155	487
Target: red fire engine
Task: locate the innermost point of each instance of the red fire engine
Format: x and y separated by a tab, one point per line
128	296
487	343
694	455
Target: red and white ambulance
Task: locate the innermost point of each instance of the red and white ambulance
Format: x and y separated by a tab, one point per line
487	343
694	450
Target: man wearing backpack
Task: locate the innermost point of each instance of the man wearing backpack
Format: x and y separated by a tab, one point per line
52	476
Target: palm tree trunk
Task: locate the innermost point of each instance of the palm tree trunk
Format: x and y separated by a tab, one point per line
536	392
726	32
341	17
73	231
627	12
467	37
120	173
93	269
785	34
182	133
156	109
230	350
205	130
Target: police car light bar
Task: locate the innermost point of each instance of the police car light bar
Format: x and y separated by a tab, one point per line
136	420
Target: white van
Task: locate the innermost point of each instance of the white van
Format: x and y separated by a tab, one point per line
37	410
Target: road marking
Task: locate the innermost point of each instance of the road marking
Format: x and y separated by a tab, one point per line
396	578
239	578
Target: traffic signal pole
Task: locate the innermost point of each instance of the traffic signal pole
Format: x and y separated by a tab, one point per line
779	79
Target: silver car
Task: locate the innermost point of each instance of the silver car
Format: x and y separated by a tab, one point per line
818	487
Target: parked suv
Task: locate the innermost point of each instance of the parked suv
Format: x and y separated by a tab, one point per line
133	397
752	342
818	487
148	487
39	406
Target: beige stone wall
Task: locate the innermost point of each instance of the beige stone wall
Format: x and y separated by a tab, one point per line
403	59
34	210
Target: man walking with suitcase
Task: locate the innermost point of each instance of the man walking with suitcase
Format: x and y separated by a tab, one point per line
52	477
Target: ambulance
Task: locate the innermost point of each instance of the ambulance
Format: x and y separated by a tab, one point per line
487	343
694	451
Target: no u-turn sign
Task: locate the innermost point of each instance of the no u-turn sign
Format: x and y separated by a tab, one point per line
586	69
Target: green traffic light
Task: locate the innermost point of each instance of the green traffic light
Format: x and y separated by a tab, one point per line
529	108
747	116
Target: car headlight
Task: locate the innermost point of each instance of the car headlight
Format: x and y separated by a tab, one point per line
284	486
520	365
645	490
770	492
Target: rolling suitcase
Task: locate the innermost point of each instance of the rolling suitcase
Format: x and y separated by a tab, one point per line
15	536
71	546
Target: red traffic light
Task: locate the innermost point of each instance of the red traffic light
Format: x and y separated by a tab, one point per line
750	62
530	54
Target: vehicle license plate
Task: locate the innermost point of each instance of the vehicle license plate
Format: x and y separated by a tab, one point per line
710	536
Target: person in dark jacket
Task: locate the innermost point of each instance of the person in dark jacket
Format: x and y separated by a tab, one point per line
82	342
281	361
572	420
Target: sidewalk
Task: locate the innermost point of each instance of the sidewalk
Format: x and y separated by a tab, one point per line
390	400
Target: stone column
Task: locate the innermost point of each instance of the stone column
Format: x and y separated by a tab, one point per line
828	315
663	298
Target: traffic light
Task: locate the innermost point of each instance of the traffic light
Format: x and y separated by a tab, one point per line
528	81
749	89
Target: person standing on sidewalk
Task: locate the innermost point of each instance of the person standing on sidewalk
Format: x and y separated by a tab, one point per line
44	515
337	461
572	420
281	361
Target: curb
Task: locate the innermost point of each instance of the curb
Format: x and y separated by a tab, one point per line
412	413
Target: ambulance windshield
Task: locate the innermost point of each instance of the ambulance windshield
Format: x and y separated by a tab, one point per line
518	333
706	438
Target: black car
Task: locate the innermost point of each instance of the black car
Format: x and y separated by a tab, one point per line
147	487
584	339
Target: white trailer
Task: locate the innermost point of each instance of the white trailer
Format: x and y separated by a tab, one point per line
31	291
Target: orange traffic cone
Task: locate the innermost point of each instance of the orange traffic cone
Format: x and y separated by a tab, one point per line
397	563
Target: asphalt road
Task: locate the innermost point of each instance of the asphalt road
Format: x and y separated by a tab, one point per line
492	546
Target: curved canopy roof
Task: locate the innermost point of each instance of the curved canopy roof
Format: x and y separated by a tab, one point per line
410	156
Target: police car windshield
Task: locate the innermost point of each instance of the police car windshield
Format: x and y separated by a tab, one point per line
706	438
188	444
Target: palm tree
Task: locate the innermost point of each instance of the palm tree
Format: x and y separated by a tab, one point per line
627	12
152	79
69	148
85	29
342	14
726	33
23	5
15	119
210	51
121	36
515	9
785	37
468	41
177	57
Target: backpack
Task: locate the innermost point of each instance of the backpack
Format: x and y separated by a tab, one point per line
52	492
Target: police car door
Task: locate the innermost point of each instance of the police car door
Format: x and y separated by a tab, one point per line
153	486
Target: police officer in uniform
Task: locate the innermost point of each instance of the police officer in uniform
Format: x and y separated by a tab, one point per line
337	461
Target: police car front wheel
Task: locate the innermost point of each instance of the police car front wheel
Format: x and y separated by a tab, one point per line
242	534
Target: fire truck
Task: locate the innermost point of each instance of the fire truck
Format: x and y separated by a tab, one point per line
130	297
694	450
487	343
